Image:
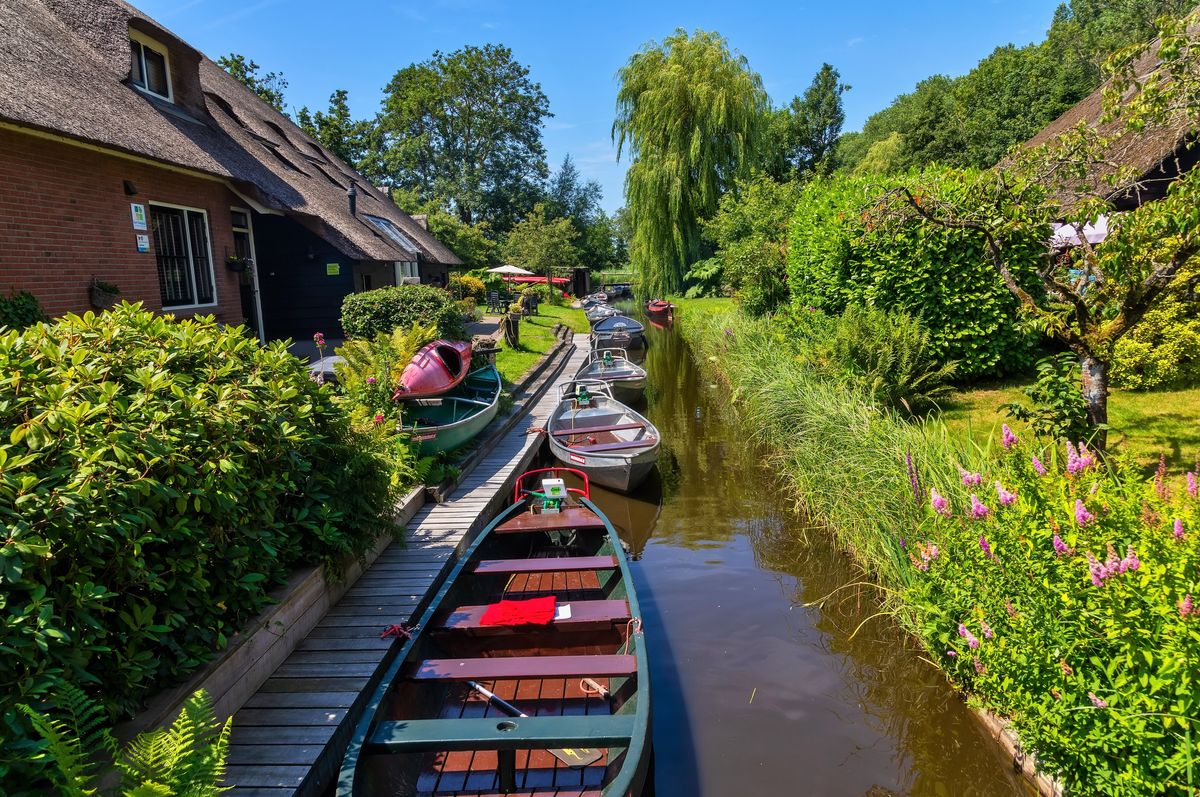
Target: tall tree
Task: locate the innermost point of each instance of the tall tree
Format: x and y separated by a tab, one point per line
690	112
540	243
571	197
268	87
467	126
337	130
818	117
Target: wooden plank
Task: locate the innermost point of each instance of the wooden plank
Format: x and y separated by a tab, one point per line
281	734
552	565
524	667
270	776
313	685
571	517
290	717
344	656
583	613
259	755
365	642
487	733
616	427
302	699
646	442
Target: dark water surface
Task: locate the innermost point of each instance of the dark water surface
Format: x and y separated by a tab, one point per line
755	692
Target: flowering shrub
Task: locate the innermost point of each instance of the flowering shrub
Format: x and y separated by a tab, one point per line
468	287
1065	598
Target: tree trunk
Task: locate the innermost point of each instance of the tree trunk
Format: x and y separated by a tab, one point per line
1095	394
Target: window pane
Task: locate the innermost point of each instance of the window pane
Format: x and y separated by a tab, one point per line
135	64
239	219
156	71
170	252
198	230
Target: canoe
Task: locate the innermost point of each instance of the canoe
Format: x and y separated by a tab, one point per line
660	310
446	422
613	366
592	431
577	669
618	332
435	369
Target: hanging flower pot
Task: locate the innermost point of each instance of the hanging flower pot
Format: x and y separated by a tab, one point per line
237	264
103	295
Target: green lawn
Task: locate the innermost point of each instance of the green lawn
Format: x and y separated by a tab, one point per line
537	338
1144	424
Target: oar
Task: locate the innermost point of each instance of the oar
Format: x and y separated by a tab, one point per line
574	757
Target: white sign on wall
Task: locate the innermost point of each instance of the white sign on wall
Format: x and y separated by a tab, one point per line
139	216
143	243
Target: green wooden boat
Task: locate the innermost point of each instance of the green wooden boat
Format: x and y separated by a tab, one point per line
446	422
559	705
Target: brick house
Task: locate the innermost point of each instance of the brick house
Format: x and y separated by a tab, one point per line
129	157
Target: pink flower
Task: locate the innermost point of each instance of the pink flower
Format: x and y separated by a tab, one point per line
987	549
979	668
1007	438
951	654
1096	570
1096	701
1178	532
1038	466
1060	547
987	629
970	479
370	380
378	418
939	503
972	641
979	510
1191	484
1131	561
319	339
1082	515
1006	498
1185	606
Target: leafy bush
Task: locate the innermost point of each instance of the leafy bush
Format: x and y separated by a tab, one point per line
468	287
1068	599
20	310
365	315
158	478
937	275
1163	351
1059	410
187	759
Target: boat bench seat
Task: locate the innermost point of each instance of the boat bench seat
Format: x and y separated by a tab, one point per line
555	564
501	733
517	667
616	427
571	517
583	613
644	442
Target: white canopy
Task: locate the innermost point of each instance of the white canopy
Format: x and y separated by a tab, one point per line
512	270
1068	234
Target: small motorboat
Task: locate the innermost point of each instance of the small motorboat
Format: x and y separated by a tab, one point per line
613	367
526	674
590	430
435	369
618	332
445	422
597	313
660	310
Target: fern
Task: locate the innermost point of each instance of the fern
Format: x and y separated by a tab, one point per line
73	740
382	357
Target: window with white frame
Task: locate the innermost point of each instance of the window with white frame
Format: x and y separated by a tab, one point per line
184	256
149	68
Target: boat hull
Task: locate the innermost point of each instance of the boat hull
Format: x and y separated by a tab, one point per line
622	474
436	369
439	437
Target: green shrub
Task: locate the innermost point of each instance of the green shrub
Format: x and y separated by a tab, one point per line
939	276
157	479
1163	351
1059	410
1070	604
365	315
20	310
468	287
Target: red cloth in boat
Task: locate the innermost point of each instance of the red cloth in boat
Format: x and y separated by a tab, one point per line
535	611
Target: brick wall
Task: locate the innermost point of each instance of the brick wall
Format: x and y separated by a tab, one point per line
65	217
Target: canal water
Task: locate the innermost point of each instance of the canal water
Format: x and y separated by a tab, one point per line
759	686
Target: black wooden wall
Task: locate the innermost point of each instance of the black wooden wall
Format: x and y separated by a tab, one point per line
298	296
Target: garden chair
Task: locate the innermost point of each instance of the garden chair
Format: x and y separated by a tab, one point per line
493	302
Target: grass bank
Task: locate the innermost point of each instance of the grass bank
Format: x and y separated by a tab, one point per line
537	338
1055	592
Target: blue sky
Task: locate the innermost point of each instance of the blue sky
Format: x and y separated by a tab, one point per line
574	49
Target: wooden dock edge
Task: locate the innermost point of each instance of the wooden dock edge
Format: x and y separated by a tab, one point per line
252	654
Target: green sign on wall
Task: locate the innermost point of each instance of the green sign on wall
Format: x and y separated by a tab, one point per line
333	269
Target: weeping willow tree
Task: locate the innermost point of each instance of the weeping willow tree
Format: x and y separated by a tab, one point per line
690	112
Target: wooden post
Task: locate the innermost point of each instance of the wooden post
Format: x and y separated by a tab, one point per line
511	326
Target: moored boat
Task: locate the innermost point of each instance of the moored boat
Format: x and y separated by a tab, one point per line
613	367
436	368
444	423
592	431
660	310
618	332
599	312
527	672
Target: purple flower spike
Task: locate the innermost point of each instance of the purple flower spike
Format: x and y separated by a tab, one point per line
939	503
1178	529
1007	438
1131	561
951	654
1082	515
1038	466
987	629
972	640
1006	498
1096	570
979	509
1096	701
1191	484
1060	547
1185	606
970	479
986	547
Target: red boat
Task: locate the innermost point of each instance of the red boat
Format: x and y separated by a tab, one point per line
436	368
660	309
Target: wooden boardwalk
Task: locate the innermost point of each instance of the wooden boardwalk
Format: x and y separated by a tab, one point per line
290	736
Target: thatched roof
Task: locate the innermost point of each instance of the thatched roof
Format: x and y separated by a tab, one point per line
64	69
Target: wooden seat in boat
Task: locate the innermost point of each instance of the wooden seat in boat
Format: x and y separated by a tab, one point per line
583	613
644	442
490	669
616	427
569	517
492	733
557	564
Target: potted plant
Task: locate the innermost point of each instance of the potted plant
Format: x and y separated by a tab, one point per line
104	295
236	263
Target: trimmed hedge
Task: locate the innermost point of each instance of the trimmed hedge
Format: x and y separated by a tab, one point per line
157	478
365	315
941	277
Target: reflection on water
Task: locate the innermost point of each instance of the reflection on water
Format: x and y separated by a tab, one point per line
753	691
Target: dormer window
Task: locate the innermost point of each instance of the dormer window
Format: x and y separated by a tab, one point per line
149	68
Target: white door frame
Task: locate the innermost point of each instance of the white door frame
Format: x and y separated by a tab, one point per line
249	230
